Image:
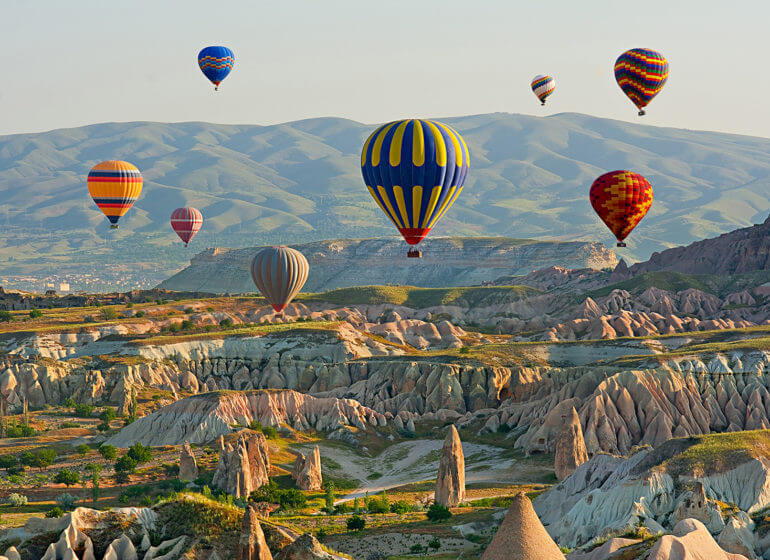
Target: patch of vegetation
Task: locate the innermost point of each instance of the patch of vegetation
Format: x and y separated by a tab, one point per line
438	513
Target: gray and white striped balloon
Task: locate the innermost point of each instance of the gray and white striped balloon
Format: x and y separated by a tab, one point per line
279	273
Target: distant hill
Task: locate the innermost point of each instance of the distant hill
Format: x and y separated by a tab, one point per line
342	263
300	181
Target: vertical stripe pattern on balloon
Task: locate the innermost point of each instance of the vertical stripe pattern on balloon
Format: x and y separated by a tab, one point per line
279	273
415	170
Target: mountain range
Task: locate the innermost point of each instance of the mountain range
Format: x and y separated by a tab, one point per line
300	181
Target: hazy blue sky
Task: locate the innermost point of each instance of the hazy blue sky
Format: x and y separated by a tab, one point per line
69	63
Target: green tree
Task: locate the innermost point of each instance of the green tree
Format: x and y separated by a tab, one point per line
35	313
6	316
125	464
355	523
270	432
8	461
68	477
82	449
69	402
438	512
84	410
291	499
43	458
435	543
140	453
109	313
108	414
329	497
109	452
95	472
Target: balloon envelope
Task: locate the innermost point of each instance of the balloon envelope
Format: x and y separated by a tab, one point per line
114	186
543	86
641	74
216	63
415	170
279	273
621	198
186	222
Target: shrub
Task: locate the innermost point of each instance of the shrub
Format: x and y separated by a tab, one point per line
35	313
355	523
126	464
8	461
187	325
6	316
378	505
82	449
226	322
84	410
465	350
16	470
103	426
140	313
434	543
109	313
291	498
69	402
17	500
189	310
342	508
416	549
121	477
438	512
43	458
256	426
109	452
108	414
89	319
68	424
20	431
400	506
66	501
55	511
140	453
321	534
68	477
270	432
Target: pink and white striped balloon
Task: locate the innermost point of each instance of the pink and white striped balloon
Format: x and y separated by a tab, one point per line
186	221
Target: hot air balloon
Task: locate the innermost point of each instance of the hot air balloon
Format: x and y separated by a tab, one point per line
621	198
279	273
186	222
114	186
543	86
415	170
216	63
641	74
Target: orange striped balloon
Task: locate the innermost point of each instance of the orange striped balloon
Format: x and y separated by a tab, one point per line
114	186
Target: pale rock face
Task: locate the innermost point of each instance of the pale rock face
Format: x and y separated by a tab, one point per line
306	547
521	536
690	541
738	536
604	551
244	466
121	549
450	482
188	468
251	544
570	447
307	470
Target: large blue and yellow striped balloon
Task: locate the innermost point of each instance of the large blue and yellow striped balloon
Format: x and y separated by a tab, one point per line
415	170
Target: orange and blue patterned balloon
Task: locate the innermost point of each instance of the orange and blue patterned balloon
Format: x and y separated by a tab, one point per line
216	63
415	170
641	74
114	186
543	86
621	198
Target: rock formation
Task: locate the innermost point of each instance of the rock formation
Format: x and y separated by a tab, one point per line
307	470
521	536
243	466
305	547
605	551
450	482
570	447
690	541
252	545
188	468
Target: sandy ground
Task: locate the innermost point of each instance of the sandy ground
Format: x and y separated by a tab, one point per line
415	461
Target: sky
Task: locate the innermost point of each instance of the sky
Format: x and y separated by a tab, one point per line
81	62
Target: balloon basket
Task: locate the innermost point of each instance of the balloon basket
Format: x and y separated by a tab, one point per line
542	103
642	113
113	226
414	254
621	244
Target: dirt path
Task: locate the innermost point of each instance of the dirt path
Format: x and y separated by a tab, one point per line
414	461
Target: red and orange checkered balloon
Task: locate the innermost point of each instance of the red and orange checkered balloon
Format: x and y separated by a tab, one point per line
621	198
